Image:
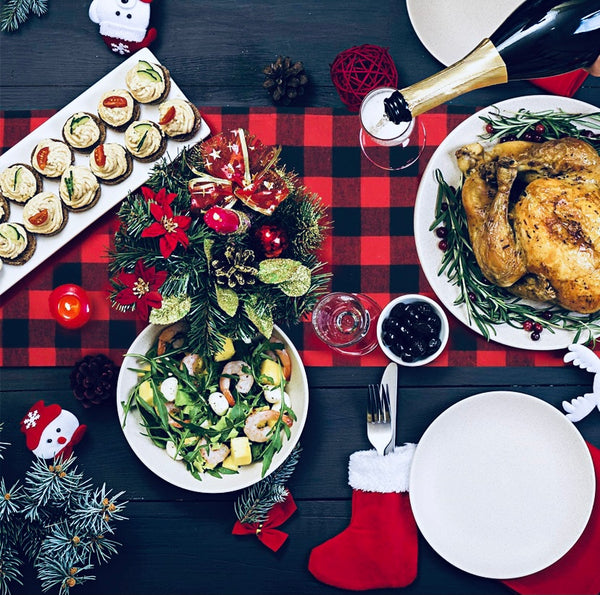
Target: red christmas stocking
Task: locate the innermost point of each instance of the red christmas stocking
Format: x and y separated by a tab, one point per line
379	548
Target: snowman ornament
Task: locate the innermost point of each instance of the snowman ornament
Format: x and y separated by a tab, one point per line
123	24
50	431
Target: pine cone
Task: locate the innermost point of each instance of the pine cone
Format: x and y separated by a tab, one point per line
285	81
94	380
235	267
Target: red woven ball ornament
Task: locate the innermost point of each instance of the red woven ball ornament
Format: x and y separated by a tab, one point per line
361	69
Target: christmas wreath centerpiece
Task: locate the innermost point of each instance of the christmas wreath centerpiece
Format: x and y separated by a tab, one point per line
223	236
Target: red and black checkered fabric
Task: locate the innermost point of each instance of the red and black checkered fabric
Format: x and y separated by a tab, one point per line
371	248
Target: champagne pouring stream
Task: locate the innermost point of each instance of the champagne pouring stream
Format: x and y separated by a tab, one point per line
540	38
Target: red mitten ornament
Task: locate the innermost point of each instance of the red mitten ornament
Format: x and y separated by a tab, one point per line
50	431
379	548
123	24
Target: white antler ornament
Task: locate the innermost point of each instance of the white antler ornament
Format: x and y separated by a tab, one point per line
585	359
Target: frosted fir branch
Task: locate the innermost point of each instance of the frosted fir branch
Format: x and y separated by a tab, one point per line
96	511
10	566
254	503
3	445
65	543
54	573
58	483
15	12
10	500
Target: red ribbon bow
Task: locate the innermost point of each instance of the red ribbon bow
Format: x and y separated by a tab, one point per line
266	532
238	165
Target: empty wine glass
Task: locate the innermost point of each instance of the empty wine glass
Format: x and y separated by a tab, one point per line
387	145
347	322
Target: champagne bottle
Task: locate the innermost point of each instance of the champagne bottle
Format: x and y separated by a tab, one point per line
540	38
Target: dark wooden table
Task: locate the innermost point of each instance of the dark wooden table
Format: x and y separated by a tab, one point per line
180	542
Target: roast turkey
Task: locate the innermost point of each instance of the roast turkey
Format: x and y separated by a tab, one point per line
533	213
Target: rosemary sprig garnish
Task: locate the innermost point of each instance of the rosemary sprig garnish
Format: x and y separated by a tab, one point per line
547	124
488	305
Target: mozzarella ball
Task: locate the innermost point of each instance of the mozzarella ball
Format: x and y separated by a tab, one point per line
172	450
168	388
218	403
273	394
286	400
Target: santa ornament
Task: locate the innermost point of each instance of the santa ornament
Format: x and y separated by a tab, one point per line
50	431
123	24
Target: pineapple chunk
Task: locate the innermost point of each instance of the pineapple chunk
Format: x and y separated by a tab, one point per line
145	367
227	351
271	370
146	393
228	463
240	451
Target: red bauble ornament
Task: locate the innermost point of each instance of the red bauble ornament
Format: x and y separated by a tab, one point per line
226	221
272	239
361	69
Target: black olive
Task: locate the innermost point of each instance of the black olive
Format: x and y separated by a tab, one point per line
433	345
419	348
424	310
391	324
398	311
422	329
434	322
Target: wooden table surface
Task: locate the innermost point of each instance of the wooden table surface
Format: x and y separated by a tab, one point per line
180	542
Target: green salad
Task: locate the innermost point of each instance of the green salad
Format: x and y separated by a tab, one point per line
214	415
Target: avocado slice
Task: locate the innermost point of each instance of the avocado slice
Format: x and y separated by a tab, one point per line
76	122
11	233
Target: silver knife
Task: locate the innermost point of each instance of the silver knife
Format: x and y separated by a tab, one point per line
390	377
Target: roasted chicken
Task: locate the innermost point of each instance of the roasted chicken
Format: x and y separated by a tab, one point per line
533	213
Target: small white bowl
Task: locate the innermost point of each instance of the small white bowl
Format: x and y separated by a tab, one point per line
410	298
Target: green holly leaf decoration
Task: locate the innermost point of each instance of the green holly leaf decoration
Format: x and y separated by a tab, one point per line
299	284
173	308
260	315
227	299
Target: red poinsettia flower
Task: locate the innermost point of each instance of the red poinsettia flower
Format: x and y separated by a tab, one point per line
170	228
161	197
140	288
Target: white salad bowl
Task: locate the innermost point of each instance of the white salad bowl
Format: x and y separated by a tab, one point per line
175	472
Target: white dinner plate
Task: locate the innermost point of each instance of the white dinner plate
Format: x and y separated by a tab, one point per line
430	256
502	485
450	29
110	195
174	472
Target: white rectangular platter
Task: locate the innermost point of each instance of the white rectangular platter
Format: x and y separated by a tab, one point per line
110	195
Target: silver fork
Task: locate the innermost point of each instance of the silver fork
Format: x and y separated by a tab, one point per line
379	423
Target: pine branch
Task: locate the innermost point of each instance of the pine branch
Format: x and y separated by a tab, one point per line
65	575
10	565
15	12
10	500
254	503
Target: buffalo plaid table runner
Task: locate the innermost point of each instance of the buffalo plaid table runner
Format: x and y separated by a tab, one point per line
371	248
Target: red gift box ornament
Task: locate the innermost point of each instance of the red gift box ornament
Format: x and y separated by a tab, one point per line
266	532
238	166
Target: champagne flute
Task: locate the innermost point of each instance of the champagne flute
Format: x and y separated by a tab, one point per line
347	322
388	145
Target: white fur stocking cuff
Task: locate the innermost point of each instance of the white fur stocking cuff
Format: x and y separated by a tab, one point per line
370	472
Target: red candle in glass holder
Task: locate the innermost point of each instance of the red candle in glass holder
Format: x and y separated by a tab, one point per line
70	306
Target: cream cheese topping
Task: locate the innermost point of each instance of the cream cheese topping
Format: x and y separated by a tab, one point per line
116	116
78	186
46	207
59	158
79	132
143	138
18	183
13	240
184	119
143	87
115	163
